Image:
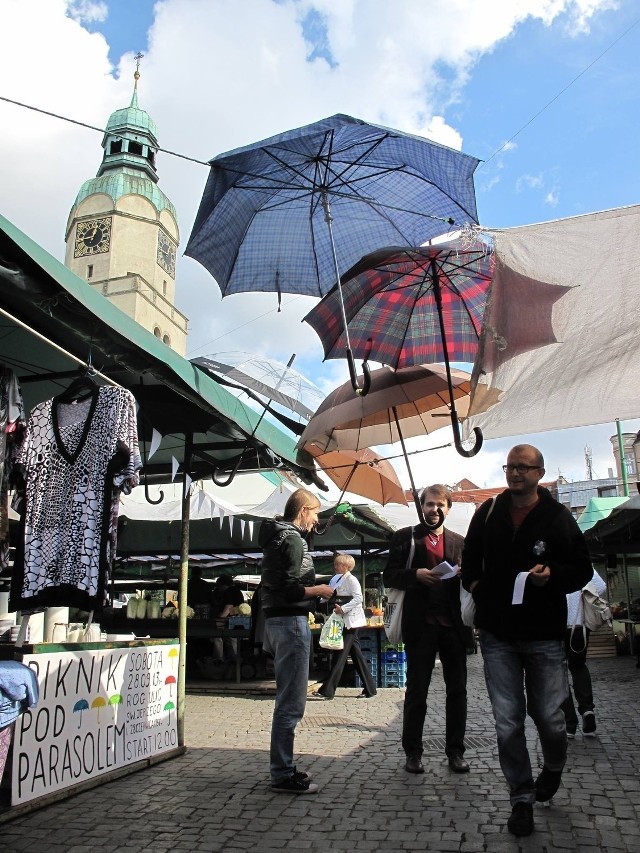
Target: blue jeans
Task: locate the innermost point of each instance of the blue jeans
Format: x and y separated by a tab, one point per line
288	638
526	677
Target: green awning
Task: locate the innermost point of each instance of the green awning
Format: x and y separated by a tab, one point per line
40	295
596	509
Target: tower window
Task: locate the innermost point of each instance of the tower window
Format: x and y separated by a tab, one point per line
151	157
167	340
115	147
164	287
157	332
89	271
135	148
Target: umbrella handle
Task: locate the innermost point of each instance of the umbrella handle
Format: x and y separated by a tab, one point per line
477	432
219	480
423	526
366	375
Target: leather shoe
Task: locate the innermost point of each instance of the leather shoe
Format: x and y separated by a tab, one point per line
413	764
458	764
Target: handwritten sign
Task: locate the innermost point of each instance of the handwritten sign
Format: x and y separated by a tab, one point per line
98	710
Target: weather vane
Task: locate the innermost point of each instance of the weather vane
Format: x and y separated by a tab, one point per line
136	74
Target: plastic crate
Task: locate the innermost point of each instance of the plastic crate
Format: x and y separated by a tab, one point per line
392	647
239	622
395	681
394	657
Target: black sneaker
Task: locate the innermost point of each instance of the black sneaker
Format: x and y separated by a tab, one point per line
547	784
294	785
302	775
521	820
589	724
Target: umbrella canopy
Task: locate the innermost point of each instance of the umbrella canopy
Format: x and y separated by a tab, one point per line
270	210
267	377
402	403
419	395
391	301
361	472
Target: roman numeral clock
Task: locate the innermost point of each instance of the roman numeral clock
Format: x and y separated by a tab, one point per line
166	256
93	237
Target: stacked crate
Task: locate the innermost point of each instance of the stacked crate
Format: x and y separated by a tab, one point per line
369	646
393	665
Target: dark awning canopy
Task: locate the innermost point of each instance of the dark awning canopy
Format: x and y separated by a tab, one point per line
52	322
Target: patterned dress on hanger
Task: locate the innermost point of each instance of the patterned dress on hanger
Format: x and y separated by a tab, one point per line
76	458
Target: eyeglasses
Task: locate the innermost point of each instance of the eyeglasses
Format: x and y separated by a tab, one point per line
521	469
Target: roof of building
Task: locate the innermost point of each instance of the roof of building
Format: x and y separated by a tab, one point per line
133	118
117	183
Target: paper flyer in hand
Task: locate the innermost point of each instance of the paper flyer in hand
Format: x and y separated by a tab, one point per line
445	571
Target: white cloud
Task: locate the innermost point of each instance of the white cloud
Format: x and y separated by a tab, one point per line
533	182
552	198
86	11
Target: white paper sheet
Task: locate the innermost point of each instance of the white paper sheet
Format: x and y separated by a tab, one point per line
445	570
518	587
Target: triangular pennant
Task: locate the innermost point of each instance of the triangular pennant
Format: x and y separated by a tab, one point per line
243	525
156	438
250	524
187	484
174	468
202	497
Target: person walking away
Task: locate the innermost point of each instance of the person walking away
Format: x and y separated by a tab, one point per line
289	591
349	606
576	643
431	625
523	554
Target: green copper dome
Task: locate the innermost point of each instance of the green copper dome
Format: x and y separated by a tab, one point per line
133	119
117	183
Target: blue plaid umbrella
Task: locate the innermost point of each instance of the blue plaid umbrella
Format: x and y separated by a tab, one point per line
277	215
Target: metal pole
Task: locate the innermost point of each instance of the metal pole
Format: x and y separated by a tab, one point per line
623	464
182	587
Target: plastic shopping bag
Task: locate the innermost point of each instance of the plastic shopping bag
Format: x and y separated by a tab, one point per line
331	634
393	615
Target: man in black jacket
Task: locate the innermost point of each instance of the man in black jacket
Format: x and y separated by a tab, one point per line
431	624
522	554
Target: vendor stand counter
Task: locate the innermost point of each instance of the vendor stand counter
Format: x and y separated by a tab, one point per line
105	710
197	629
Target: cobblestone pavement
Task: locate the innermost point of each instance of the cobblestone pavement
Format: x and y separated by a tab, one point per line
216	797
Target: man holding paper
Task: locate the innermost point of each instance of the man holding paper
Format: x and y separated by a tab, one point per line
520	560
431	624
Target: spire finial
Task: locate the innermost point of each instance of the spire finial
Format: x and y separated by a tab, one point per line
136	74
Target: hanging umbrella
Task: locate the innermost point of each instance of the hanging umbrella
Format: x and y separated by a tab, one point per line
276	215
361	472
409	306
412	401
267	377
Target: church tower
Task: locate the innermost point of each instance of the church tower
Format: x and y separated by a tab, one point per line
122	233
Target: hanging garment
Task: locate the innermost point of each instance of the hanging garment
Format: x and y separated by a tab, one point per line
75	458
12	421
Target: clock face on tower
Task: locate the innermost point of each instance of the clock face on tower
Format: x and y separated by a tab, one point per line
166	254
93	237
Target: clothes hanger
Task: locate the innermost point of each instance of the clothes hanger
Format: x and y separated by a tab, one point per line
81	388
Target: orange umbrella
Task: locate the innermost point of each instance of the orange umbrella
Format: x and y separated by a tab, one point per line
362	472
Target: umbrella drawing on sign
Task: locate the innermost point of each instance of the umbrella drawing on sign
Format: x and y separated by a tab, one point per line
410	402
362	472
173	654
276	215
169	706
99	702
409	306
115	700
80	706
170	680
267	377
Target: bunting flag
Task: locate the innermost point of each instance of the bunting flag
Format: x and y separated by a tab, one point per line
202	497
250	525
174	468
187	484
156	438
243	525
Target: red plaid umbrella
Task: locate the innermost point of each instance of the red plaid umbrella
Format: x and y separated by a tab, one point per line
411	306
391	303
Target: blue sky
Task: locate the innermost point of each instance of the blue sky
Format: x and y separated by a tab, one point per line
221	73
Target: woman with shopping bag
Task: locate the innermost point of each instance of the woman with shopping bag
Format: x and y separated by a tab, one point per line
349	607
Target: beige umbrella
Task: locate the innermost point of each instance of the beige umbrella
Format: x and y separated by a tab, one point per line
400	404
361	472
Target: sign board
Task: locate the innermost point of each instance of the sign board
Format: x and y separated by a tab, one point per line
99	709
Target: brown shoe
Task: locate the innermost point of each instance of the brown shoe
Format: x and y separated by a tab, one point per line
457	763
413	764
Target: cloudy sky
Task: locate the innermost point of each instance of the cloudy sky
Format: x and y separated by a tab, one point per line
544	92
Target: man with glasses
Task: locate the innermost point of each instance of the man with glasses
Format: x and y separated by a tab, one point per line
522	554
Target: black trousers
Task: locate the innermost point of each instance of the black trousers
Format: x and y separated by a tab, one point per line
580	676
351	647
421	652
